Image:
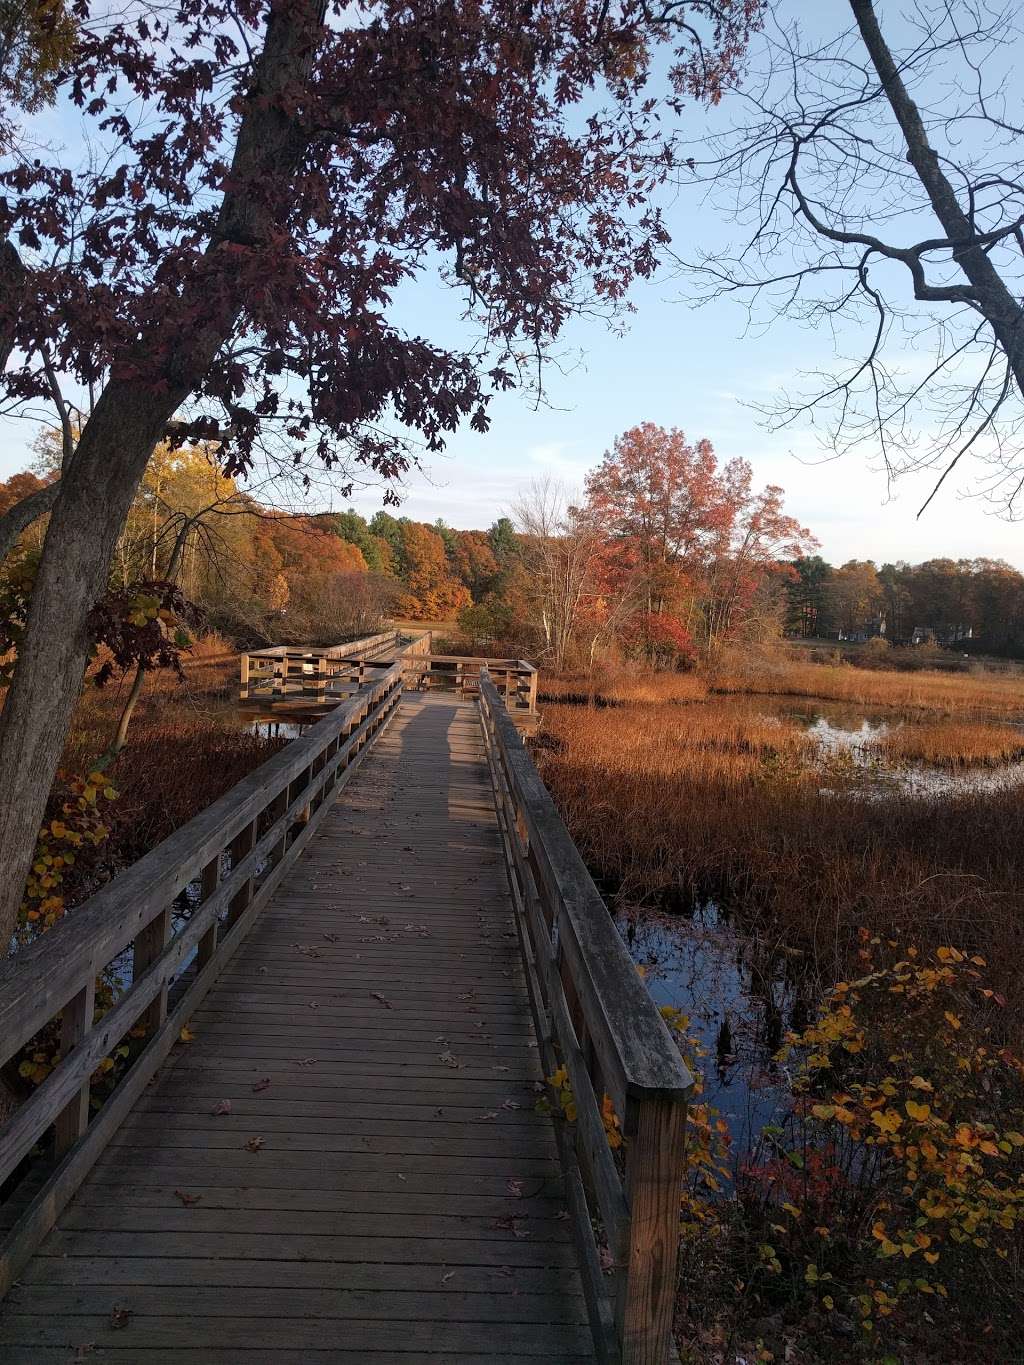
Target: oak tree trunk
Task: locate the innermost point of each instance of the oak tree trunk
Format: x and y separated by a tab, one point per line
128	421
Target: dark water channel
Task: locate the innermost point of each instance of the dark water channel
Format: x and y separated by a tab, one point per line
740	998
740	991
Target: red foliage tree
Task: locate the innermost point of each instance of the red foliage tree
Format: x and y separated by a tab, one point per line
262	176
702	539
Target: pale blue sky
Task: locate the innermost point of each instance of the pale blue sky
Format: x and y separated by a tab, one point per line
676	365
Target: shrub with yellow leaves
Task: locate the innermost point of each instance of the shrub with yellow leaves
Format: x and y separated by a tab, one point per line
67	865
904	1080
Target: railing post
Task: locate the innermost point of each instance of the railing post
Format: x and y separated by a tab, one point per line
280	675
655	1133
321	678
76	1021
208	882
533	692
149	944
240	847
243	681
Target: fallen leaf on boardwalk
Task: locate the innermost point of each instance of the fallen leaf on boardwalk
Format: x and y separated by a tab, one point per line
515	1188
263	971
510	1223
221	1107
189	1200
401	1177
307	1061
499	1068
261	1084
448	1060
561	1215
186	1035
449	1276
331	938
254	1144
386	1003
408	848
511	1104
492	1115
120	1317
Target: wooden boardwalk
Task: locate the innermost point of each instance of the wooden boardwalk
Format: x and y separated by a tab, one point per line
346	1163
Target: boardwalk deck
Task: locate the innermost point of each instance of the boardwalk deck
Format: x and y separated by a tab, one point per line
374	1039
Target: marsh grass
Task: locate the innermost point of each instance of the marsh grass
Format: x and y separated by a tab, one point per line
674	803
187	745
984	694
623	687
953	744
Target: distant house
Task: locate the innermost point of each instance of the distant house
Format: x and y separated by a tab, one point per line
941	635
868	630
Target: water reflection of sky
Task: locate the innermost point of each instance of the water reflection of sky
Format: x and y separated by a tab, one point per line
703	967
853	734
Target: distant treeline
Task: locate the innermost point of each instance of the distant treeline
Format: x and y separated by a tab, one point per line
975	604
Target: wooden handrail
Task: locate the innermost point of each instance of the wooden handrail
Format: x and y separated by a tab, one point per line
595	1017
322	672
516	678
234	854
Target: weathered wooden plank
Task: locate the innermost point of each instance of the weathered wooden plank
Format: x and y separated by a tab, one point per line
242	1332
506	1304
305	1247
331	1355
338	1276
546	1206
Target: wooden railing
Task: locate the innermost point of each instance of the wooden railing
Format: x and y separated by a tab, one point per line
321	674
515	679
227	862
595	1018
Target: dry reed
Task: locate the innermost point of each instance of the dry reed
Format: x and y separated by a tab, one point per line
714	800
954	744
948	693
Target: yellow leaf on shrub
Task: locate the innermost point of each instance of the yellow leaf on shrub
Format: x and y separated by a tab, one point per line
917	1111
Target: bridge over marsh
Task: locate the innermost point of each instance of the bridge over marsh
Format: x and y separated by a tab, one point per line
339	991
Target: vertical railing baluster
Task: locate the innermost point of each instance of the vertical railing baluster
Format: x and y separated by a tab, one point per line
76	1021
149	944
240	847
209	880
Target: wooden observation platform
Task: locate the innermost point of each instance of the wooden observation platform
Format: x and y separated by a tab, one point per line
342	1158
